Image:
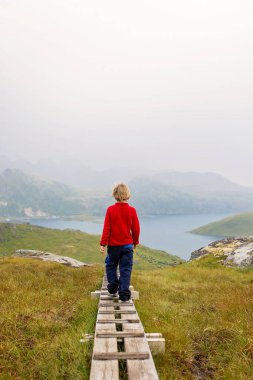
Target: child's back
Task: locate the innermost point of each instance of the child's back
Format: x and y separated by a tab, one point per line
120	234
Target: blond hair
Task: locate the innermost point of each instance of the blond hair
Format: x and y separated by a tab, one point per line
121	192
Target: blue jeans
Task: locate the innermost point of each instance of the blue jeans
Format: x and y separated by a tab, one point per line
122	256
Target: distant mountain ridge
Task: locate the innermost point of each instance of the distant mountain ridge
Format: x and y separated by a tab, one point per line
153	193
189	193
75	174
198	182
24	195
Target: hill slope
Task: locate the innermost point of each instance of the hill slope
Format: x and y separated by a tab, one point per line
203	310
76	244
236	225
24	195
44	308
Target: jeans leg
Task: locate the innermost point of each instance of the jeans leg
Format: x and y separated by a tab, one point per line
111	262
125	268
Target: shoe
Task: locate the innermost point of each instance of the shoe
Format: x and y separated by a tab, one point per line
113	294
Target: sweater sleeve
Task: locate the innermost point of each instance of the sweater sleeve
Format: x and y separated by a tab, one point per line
107	229
135	228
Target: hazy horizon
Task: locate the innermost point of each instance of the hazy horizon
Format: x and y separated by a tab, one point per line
154	85
69	172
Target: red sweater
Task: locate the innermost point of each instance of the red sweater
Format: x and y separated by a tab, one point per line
121	225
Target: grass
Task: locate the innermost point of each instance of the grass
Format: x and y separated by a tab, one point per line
44	307
203	309
205	313
236	225
72	243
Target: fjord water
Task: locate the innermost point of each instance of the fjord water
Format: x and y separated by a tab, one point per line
169	233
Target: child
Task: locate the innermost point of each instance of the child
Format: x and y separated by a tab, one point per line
121	234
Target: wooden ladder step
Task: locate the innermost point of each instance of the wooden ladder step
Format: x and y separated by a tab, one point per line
106	351
118	321
121	334
121	355
113	304
116	311
104	298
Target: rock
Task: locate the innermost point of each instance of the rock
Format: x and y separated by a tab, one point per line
242	256
199	253
48	256
28	211
236	251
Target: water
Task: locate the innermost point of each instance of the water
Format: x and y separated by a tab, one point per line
168	233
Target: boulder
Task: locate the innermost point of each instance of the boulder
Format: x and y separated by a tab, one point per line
236	251
242	256
48	256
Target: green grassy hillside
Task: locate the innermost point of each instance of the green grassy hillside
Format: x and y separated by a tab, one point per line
204	311
44	308
76	244
236	225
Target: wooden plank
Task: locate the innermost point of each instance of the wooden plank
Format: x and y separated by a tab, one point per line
140	365
139	369
116	312
94	294
156	345
118	321
120	334
121	355
109	302
116	304
105	369
109	327
105	298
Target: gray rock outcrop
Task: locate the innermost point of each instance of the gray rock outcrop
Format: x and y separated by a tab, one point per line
236	251
48	256
242	256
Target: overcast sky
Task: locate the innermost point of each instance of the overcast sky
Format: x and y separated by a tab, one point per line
160	84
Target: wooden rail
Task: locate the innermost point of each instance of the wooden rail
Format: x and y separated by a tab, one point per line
120	340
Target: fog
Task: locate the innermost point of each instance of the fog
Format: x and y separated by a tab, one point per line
162	85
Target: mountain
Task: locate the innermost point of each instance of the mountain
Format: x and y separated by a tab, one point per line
25	195
194	182
189	193
75	174
154	193
236	225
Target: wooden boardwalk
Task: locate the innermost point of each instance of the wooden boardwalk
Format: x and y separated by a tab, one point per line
120	343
